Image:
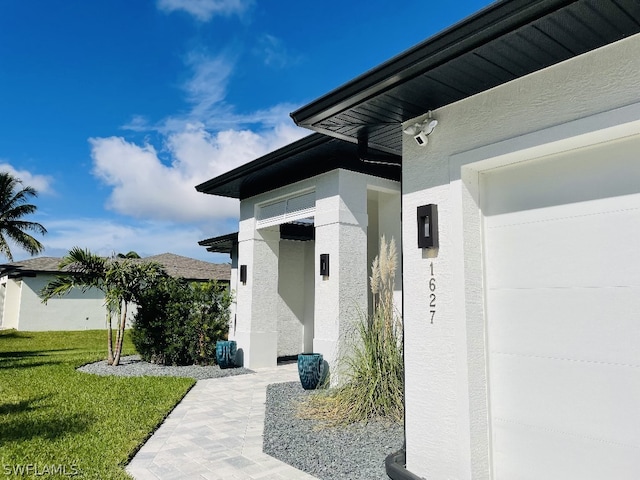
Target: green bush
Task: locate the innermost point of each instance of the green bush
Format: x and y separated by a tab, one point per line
179	322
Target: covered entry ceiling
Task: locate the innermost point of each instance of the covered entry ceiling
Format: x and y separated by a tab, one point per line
505	41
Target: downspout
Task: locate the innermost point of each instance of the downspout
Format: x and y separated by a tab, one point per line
379	159
396	463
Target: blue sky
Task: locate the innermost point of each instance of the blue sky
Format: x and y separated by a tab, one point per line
115	109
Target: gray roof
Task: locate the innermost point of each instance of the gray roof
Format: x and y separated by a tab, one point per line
175	265
190	268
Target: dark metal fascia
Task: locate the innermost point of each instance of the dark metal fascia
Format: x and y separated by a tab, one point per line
233	237
488	24
295	148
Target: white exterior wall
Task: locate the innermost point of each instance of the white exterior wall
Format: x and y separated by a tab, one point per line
309	296
341	231
383	209
233	289
291	293
25	311
11	308
579	102
257	301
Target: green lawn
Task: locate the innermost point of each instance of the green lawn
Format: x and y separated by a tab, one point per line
54	419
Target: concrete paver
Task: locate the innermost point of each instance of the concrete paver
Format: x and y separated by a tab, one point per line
216	432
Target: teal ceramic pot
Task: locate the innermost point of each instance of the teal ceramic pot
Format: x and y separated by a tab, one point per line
226	353
310	366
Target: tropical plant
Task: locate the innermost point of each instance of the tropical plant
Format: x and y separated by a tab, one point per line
14	206
130	254
179	322
124	281
120	280
372	367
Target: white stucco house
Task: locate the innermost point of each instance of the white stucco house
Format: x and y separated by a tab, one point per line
21	307
310	203
521	328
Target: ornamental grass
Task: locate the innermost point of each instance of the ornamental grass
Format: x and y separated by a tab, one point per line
371	367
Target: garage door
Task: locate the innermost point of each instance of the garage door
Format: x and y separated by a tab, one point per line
562	266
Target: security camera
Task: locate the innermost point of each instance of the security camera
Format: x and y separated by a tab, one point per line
421	138
421	131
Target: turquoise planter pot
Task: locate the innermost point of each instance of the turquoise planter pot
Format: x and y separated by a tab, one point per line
226	353
310	370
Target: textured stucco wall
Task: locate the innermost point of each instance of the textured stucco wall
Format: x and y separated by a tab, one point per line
75	311
309	295
331	303
233	288
291	292
257	300
11	311
447	436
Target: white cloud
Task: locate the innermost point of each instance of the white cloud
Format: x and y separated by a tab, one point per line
204	10
274	53
209	140
106	237
207	86
42	183
145	187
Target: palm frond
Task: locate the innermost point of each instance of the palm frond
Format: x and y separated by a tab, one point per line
14	206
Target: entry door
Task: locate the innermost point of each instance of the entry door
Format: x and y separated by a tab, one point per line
562	273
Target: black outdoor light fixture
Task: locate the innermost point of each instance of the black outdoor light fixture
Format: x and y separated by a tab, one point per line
324	264
243	274
428	226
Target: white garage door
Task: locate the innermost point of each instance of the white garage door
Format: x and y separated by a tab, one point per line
562	263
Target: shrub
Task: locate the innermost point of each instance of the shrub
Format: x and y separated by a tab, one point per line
179	323
372	367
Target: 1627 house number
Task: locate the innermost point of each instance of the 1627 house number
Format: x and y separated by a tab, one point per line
432	294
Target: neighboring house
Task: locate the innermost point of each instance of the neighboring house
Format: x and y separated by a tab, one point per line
313	198
522	337
22	309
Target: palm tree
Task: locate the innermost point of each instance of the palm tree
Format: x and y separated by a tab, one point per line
84	270
119	279
13	207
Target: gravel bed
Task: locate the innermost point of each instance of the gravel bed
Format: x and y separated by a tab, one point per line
356	452
133	366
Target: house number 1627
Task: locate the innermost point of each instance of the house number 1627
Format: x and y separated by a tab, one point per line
432	294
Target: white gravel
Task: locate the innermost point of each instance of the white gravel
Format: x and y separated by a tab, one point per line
133	366
355	452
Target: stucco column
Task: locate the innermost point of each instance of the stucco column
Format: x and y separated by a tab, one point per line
341	231
257	300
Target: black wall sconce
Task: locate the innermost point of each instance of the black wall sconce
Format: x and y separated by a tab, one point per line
428	226
243	274
324	264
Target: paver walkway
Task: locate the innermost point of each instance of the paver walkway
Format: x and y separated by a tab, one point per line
216	433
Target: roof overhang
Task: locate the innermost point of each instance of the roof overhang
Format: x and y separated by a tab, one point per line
305	158
505	41
221	244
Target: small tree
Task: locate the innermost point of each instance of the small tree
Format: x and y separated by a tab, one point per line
120	280
123	283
